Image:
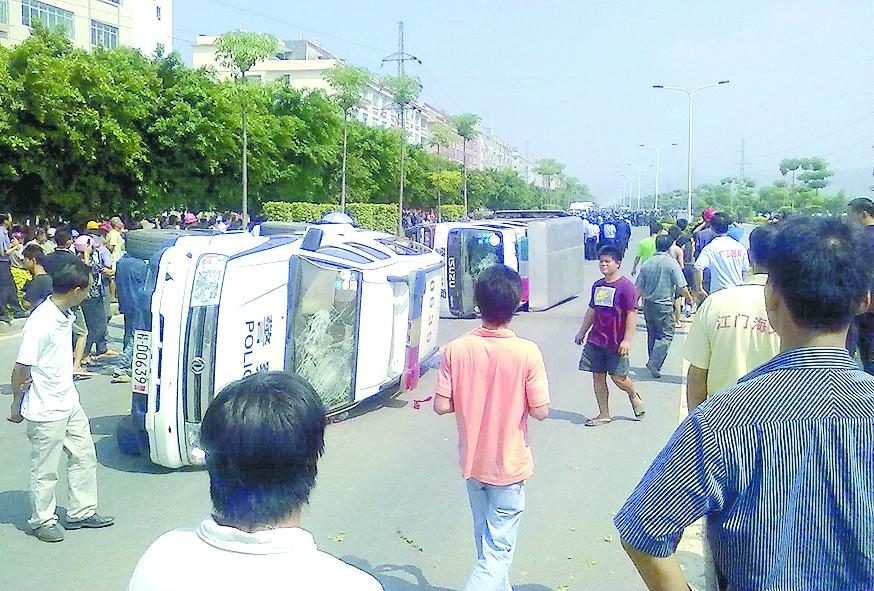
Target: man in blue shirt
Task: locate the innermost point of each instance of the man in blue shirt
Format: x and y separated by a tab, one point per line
781	463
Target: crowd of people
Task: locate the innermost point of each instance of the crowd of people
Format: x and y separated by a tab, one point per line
775	452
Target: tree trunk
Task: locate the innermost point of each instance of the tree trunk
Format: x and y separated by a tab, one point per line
401	192
464	171
245	211
343	173
439	172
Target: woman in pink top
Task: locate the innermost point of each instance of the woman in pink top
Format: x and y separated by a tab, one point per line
493	380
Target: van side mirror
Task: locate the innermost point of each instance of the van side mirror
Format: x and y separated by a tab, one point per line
313	239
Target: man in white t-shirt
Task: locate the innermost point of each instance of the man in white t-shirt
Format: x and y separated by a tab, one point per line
263	436
44	395
593	234
725	257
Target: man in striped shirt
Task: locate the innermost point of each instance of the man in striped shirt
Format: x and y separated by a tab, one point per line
782	464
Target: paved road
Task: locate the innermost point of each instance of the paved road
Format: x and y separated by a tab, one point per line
390	498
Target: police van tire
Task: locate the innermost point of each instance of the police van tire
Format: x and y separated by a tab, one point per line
129	441
142	244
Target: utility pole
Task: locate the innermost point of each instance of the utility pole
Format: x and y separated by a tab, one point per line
401	57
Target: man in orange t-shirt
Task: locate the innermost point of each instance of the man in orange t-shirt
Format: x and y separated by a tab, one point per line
492	380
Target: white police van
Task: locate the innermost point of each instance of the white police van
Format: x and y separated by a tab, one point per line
354	312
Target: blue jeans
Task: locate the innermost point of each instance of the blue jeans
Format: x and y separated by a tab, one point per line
497	511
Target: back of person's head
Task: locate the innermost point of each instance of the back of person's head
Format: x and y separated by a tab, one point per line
663	243
498	291
35	253
655	228
762	244
861	205
63	237
610	251
69	277
263	436
674	232
682	223
720	222
821	268
40	233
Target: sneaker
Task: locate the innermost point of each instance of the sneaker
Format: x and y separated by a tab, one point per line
121	378
94	522
49	533
655	373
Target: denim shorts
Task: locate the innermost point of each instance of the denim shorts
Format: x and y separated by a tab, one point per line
600	360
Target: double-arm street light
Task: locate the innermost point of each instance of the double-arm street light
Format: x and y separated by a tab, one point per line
657	150
691	94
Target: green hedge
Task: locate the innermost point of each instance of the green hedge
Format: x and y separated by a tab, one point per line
373	216
451	213
759	219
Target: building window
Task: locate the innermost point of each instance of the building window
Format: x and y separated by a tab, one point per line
253	77
50	16
103	35
158	12
116	2
4	12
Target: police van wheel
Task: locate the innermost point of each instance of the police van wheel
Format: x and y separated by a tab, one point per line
129	441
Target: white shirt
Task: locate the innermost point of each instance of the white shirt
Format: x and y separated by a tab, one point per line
727	260
47	348
593	231
609	231
219	558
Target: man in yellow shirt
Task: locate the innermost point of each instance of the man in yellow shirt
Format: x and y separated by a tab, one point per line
731	334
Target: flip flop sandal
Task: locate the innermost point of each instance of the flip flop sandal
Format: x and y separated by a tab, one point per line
597	422
639	412
81	376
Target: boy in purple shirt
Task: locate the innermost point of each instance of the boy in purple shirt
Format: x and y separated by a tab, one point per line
610	323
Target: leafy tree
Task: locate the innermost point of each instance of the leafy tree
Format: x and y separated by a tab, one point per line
348	83
442	135
788	165
404	90
467	126
816	173
240	51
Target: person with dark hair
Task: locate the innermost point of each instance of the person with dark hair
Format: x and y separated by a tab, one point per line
646	247
493	381
623	234
39	287
658	284
703	233
861	335
780	464
41	239
724	257
263	436
62	256
593	235
8	291
607	331
44	395
678	255
731	334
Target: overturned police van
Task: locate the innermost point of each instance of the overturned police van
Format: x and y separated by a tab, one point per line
556	243
225	306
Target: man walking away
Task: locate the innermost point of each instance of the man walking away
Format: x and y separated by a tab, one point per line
56	423
731	335
659	282
8	291
780	464
493	380
130	276
61	257
646	247
703	233
861	335
725	257
623	234
593	234
608	233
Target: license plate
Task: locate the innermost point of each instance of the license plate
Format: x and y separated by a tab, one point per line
142	362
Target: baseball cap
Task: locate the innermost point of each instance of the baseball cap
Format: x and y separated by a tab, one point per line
709	213
189	218
92	225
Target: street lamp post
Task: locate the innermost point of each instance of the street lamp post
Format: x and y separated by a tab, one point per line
657	150
691	95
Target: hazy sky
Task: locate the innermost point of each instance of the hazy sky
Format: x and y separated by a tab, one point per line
572	80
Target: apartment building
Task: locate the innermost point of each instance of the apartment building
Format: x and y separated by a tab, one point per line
143	24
